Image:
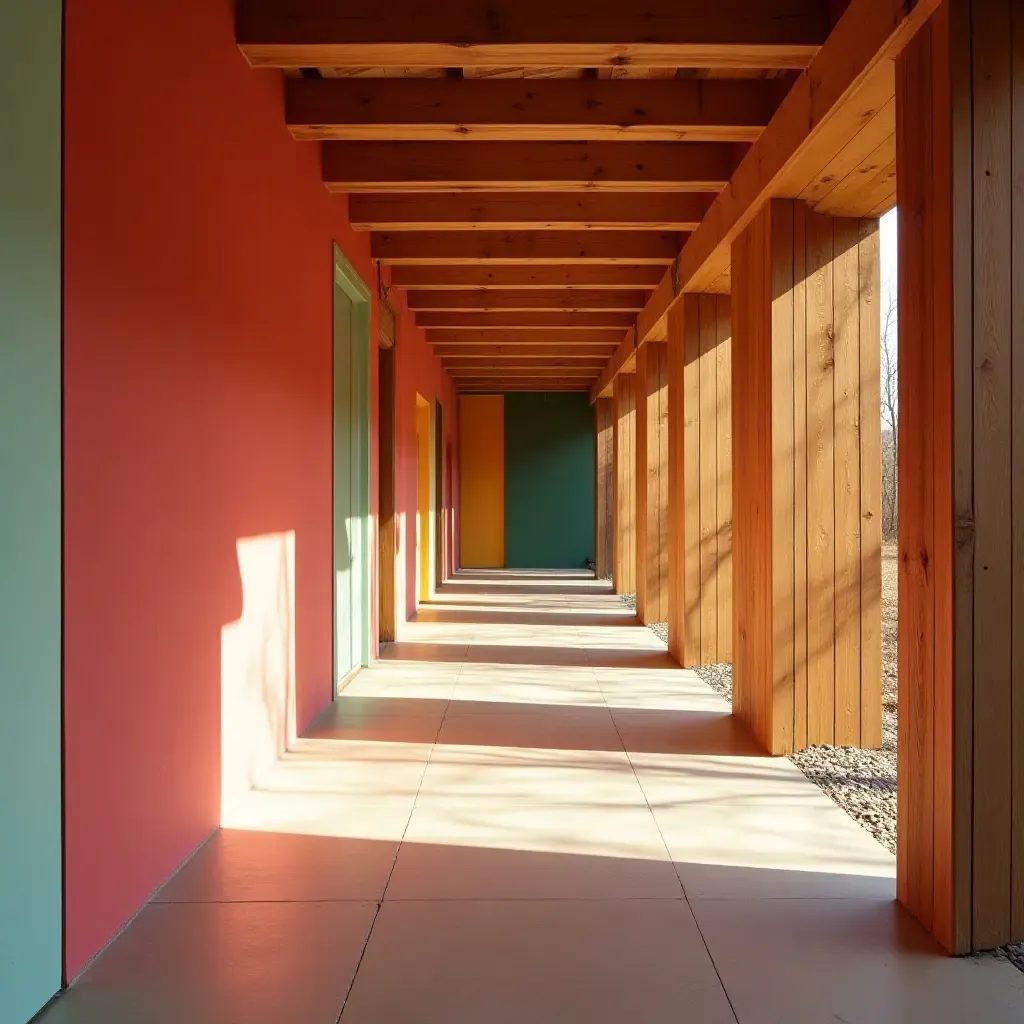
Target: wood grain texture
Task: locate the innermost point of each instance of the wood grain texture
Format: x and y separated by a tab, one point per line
805	293
732	34
827	104
652	484
526	277
557	247
527	166
554	109
524	211
604	487
518	323
624	459
574	300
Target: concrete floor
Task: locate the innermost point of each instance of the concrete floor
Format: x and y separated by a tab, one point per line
524	813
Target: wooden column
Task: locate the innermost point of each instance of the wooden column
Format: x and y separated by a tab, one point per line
652	483
700	481
807	458
604	488
624	470
960	164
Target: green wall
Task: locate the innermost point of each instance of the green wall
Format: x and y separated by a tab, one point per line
549	480
30	506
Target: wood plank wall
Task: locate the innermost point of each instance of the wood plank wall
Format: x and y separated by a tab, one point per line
604	488
960	160
652	483
807	468
700	481
624	463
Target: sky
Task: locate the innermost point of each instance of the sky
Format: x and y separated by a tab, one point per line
888	257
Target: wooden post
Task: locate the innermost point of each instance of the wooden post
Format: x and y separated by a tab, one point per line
700	480
652	483
624	462
807	545
604	488
960	173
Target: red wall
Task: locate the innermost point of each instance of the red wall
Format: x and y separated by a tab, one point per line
197	362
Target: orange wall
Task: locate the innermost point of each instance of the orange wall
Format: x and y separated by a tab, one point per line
197	402
482	473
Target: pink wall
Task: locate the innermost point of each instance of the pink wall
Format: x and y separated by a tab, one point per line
198	412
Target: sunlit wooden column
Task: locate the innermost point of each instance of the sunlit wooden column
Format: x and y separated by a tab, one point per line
700	591
623	472
806	479
604	487
652	482
960	174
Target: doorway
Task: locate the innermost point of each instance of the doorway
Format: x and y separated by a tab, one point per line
351	469
424	499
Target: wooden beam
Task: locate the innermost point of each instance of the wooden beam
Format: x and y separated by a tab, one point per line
516	340
567	247
539	110
525	276
513	33
526	322
521	211
820	105
625	353
479	364
570	300
467	353
527	166
490	386
518	372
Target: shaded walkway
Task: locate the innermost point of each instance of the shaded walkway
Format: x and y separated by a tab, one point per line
525	813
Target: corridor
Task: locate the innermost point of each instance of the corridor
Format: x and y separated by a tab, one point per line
524	813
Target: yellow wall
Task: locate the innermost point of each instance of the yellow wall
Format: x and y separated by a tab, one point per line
424	518
482	480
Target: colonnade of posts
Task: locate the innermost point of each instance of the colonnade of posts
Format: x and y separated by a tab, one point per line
754	530
743	475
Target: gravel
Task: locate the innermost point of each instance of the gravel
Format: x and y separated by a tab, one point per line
861	782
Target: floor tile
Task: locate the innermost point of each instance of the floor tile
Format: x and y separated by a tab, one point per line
237	866
755	826
559	727
223	963
852	961
555	962
471	849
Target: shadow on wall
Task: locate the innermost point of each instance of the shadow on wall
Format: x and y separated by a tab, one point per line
258	721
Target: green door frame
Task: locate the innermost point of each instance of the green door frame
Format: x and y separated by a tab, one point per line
353	371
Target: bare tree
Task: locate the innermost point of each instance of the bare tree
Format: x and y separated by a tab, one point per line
890	420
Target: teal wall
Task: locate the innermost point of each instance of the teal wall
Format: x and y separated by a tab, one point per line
549	480
30	506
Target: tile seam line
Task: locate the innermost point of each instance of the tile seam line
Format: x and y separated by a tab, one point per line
675	870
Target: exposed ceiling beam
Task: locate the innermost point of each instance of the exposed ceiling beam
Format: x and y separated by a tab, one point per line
818	114
496	385
508	322
515	339
531	33
489	299
589	355
528	166
530	370
629	247
518	211
538	110
526	276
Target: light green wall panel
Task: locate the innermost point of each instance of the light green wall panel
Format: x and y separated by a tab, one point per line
30	506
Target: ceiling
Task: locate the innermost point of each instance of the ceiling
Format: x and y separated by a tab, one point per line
530	171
